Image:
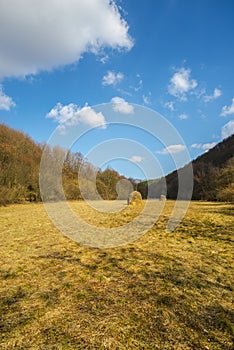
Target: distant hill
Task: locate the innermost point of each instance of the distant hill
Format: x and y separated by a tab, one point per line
213	176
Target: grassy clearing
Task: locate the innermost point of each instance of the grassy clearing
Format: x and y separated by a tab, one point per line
164	291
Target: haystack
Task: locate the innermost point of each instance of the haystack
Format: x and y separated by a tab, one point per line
135	198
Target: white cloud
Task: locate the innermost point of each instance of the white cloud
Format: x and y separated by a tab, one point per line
181	84
200	92
88	116
124	92
112	78
72	114
42	35
228	129
104	59
6	102
183	116
122	106
204	146
170	105
227	110
139	85
216	94
136	159
172	149
147	99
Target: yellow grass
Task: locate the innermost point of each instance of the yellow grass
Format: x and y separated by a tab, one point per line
164	291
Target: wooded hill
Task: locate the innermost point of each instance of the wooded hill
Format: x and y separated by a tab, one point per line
20	160
19	166
213	176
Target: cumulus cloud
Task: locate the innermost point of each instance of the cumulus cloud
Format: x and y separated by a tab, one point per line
136	159
172	149
72	114
204	146
183	116
181	83
122	106
6	102
216	94
42	35
170	105
112	78
228	110
228	129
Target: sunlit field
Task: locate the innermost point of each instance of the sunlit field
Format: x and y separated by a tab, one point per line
163	291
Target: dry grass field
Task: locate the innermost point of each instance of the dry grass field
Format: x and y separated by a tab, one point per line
164	291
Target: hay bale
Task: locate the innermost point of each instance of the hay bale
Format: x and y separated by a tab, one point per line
135	198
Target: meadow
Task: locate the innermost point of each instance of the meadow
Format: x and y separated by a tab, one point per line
163	291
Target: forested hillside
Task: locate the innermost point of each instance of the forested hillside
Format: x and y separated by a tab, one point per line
214	173
19	166
20	160
213	176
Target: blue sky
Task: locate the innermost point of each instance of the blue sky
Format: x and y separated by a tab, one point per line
172	56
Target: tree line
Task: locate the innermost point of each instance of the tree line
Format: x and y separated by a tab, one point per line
213	176
20	159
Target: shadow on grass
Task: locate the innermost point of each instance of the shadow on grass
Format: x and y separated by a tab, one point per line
150	295
223	208
225	211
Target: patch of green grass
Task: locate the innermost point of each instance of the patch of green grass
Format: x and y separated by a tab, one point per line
164	291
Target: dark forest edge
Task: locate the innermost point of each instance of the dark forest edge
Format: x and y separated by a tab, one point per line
20	160
213	176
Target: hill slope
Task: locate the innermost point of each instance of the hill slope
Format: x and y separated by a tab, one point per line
218	155
214	171
19	166
213	176
20	160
